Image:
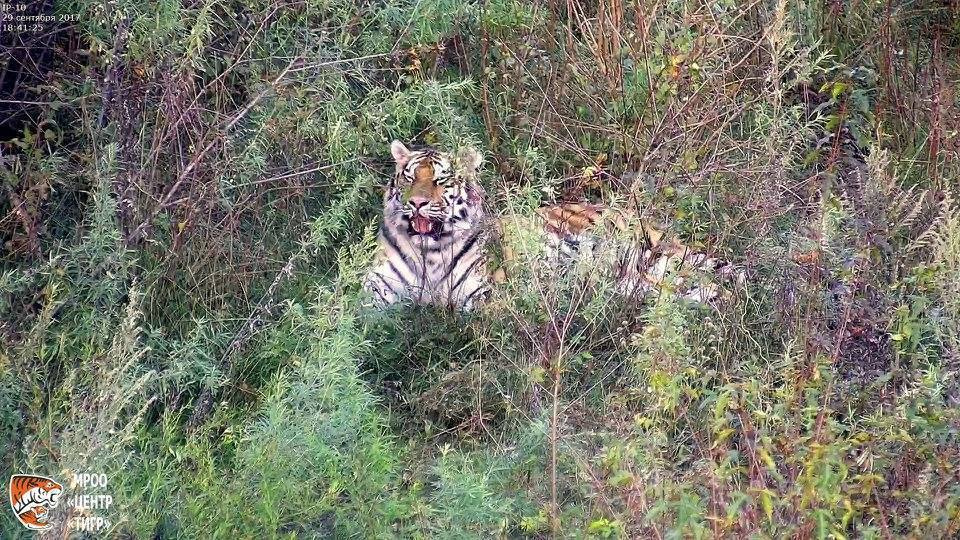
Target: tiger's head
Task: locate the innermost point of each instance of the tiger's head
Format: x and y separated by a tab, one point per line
32	497
433	192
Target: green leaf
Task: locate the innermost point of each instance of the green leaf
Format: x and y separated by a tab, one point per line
620	479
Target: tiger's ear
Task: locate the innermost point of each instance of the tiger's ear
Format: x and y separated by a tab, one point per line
400	153
470	159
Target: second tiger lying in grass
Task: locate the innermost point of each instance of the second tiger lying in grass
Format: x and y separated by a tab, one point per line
640	258
433	243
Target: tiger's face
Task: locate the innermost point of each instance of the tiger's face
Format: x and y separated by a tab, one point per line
433	192
41	514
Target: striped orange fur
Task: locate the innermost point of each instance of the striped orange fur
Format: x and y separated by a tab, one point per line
649	257
432	243
432	240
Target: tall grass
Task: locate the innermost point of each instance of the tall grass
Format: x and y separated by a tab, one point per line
191	202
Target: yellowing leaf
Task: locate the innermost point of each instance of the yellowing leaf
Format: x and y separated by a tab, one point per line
766	502
838	90
722	436
766	458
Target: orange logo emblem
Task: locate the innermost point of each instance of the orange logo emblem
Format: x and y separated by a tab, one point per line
32	497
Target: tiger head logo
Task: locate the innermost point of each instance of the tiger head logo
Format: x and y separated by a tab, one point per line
32	497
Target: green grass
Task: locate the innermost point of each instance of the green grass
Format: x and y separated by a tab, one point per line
180	302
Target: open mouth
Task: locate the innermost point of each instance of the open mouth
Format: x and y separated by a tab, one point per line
424	225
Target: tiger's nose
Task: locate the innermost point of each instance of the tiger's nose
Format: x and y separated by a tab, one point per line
418	201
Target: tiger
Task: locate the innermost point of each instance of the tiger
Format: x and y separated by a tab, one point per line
31	498
646	259
432	239
433	243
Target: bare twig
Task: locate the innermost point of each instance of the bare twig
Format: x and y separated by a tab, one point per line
172	191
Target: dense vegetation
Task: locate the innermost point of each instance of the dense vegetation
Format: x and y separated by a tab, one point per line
191	190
